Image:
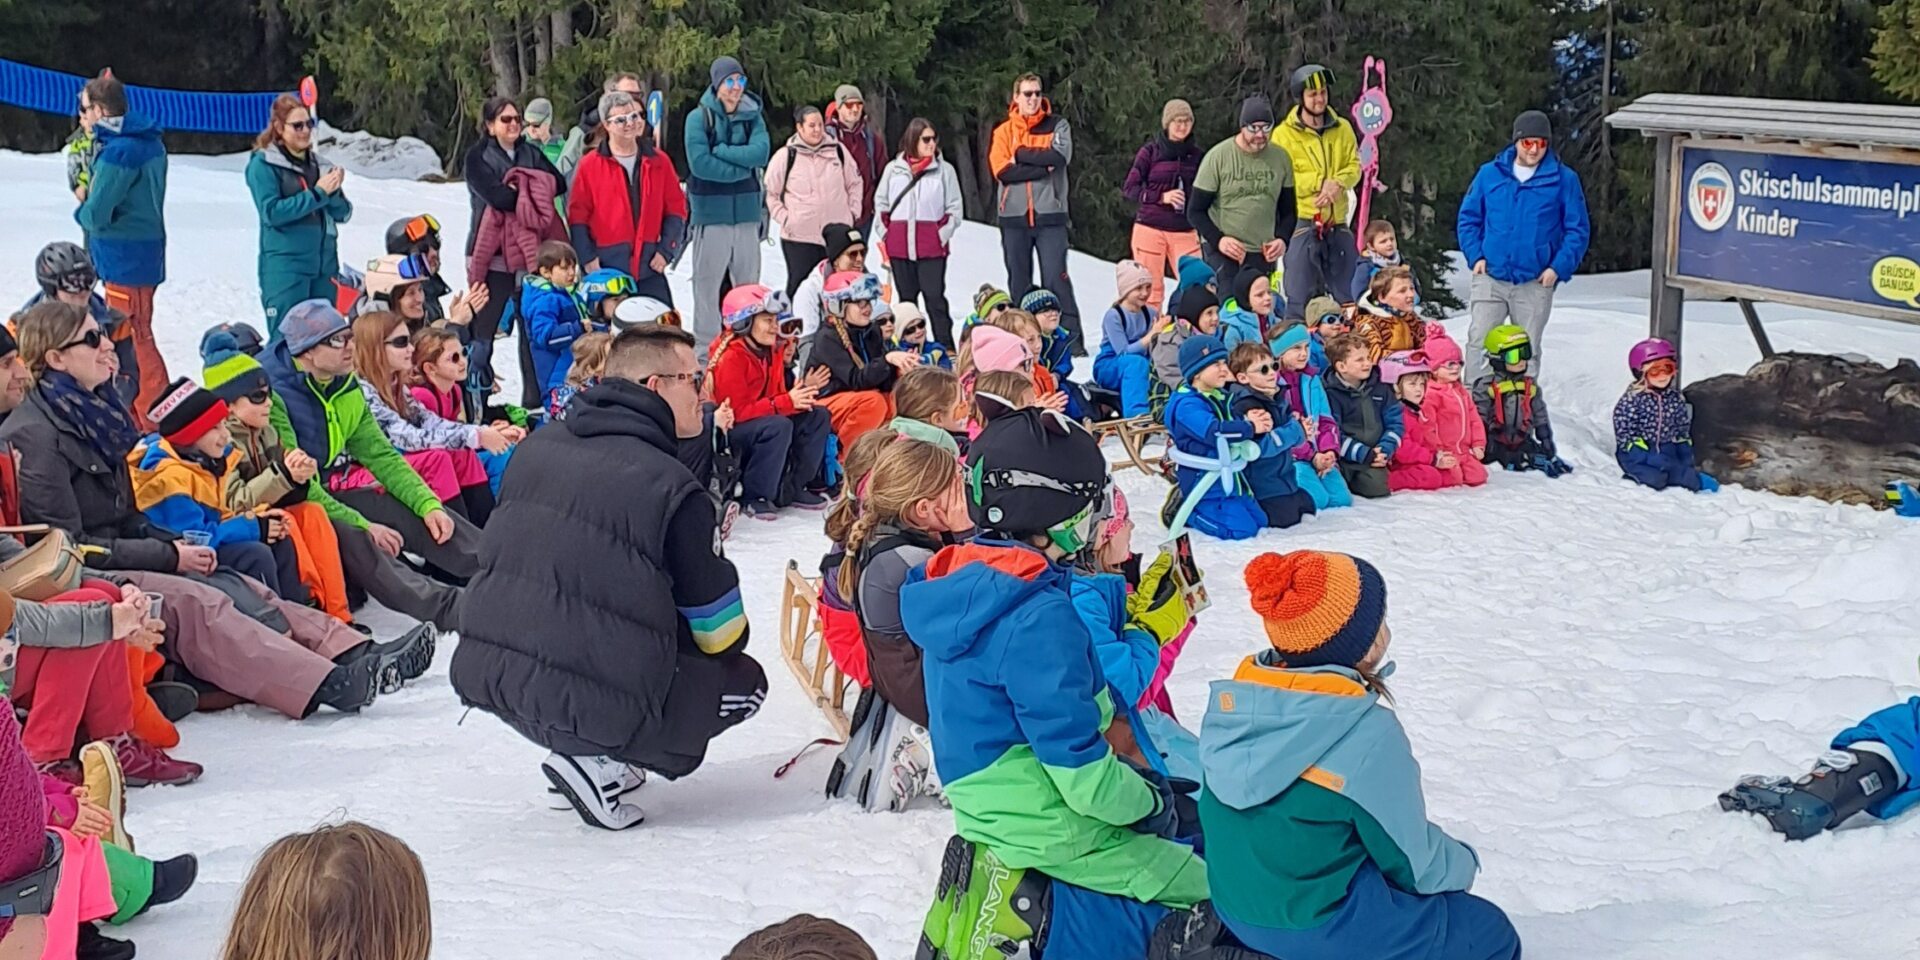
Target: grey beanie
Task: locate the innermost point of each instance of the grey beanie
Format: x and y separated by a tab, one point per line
1255	109
724	67
1533	123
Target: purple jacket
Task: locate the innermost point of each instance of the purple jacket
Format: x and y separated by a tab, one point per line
1158	167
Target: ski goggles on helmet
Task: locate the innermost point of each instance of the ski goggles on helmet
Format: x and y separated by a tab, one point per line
1663	367
422	227
618	285
1518	353
1075	533
775	302
77	280
865	288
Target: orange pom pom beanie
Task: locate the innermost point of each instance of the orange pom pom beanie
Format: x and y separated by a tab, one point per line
1320	609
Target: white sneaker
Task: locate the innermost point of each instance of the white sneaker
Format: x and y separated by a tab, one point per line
627	779
908	766
589	786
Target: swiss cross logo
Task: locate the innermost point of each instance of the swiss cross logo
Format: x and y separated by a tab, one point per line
1710	197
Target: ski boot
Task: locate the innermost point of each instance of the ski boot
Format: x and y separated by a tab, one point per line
1197	934
854	771
1903	498
984	909
1841	784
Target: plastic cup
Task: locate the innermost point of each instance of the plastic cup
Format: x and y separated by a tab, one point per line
198	538
153	606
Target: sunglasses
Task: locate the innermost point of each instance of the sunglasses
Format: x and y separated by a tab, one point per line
1029	94
1261	370
913	328
929	138
1260	129
339	341
302	125
625	119
1533	143
737	82
400	342
510	119
698	378
263	395
998	308
91	340
422	227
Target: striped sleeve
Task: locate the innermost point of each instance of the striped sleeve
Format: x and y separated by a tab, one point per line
706	587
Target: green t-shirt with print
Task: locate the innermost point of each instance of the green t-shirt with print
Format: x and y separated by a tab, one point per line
1247	188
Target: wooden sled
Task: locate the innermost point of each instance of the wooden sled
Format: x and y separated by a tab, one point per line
805	651
1134	434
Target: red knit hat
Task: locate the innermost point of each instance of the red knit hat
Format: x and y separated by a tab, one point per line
1320	609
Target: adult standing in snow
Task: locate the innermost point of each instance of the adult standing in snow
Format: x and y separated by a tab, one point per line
847	123
1242	201
301	206
1326	164
1029	156
539	132
610	629
588	134
1163	170
811	182
124	216
920	207
627	210
487	164
727	148
1524	227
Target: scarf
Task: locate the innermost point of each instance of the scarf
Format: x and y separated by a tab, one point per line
919	165
99	416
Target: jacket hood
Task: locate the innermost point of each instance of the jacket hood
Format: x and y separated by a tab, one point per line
748	109
978	584
1046	110
132	124
1548	172
1244	321
622	408
827	145
1268	726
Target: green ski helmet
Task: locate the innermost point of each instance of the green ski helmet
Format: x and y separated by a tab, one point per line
1509	343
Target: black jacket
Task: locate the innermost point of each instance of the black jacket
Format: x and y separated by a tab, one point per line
66	483
865	367
487	165
602	590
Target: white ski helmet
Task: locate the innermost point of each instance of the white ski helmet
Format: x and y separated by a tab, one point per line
634	311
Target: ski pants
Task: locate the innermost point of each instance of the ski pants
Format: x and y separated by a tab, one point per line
779	453
720	251
1892	732
801	258
459	556
1128	374
1157	250
926	280
1668	465
1380	921
395	585
1288	509
1329	492
1363	480
277	565
287	291
1020	244
137	304
1315	265
1494	302
1236	517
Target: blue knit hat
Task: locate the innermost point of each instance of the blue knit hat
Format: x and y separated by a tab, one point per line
1039	301
1194	272
1199	352
309	322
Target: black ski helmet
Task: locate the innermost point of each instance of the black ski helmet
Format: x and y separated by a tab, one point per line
399	242
1036	472
62	265
1310	77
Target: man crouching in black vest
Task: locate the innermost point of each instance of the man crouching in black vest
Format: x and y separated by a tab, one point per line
605	623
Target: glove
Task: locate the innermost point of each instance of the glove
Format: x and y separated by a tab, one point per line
1551	466
1708	484
1160	605
1164	821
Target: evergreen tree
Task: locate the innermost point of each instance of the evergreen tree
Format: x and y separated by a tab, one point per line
1896	49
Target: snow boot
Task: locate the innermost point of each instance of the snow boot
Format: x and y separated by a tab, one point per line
94	945
407	657
171	880
107	789
349	688
983	909
582	780
909	764
1197	934
1841	784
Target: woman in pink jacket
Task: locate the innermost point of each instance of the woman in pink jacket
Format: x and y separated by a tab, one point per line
811	182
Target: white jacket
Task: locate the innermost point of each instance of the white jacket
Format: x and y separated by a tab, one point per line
920	216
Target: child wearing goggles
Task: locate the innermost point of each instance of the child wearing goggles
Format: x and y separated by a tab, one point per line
1653	424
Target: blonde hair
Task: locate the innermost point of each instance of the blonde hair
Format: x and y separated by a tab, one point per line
926	394
589	357
338	892
854	468
1408	378
43	329
370	333
802	936
1010	385
906	473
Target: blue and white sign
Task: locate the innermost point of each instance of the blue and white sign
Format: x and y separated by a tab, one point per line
1811	227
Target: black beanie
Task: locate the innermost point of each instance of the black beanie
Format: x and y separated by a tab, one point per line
1533	123
1193	302
1243	286
8	346
837	237
1255	109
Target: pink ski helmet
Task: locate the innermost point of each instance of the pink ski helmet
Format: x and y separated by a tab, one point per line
1647	351
1396	365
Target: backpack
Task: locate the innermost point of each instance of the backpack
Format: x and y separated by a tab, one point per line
845	158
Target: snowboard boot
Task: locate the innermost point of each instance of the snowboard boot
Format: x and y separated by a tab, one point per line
1841	784
582	781
983	909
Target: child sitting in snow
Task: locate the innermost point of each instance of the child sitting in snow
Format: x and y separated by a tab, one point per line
1272	478
1386	317
439	378
996	392
1054	353
1317	834
1325	319
1196	313
1513	408
1368	414
1448	415
1060	844
988	301
928	405
1124	364
1653	424
1317	462
1198	418
589	363
839	626
915	502
1418	463
1383	251
179	482
910	335
1247	315
555	313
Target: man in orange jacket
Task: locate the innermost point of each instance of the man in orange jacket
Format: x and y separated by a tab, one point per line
1029	157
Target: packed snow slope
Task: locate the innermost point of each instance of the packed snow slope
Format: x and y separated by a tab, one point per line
1584	665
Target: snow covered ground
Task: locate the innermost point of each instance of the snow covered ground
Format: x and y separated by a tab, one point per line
1584	665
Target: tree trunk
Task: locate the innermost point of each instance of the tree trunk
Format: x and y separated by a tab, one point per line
542	49
561	25
506	73
520	58
274	33
1606	90
961	156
